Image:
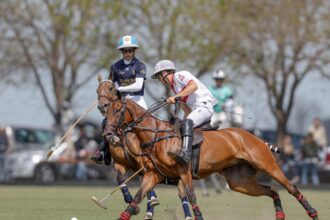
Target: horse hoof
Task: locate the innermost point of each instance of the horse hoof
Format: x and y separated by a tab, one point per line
148	216
188	218
199	218
154	201
136	211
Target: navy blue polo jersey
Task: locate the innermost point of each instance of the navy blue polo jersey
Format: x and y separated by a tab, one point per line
125	75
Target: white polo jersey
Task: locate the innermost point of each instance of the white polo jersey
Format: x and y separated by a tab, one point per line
198	98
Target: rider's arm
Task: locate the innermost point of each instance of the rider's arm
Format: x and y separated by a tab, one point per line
191	87
137	86
228	105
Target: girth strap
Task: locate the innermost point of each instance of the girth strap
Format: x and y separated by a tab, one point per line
157	139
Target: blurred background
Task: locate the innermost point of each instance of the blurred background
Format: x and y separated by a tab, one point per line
275	54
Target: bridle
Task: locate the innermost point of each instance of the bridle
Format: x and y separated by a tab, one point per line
122	128
103	108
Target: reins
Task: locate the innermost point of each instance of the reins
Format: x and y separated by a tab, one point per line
134	125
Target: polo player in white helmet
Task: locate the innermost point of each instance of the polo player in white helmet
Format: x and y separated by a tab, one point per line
224	95
196	101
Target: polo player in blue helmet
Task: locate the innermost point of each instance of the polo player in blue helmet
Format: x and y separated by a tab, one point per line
129	74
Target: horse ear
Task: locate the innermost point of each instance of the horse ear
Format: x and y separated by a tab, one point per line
99	77
110	76
118	95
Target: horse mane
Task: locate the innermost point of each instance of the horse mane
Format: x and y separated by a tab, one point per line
147	113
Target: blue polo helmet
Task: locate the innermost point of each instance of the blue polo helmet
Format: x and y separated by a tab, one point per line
127	41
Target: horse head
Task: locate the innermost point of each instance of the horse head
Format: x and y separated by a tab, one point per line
118	117
106	92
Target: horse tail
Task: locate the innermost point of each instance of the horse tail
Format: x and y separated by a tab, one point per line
273	148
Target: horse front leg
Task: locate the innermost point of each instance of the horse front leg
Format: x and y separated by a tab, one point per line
121	171
186	179
152	201
184	200
148	183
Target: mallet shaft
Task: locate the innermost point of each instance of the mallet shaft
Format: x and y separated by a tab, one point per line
99	202
51	151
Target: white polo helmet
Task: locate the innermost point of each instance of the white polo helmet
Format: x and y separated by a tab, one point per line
219	74
162	65
127	41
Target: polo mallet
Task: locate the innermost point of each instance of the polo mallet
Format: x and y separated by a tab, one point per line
100	202
52	149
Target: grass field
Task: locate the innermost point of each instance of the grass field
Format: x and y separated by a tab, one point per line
63	203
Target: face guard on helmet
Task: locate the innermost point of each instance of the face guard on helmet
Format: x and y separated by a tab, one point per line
162	65
219	75
127	42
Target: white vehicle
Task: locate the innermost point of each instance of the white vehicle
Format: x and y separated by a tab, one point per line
26	157
27	147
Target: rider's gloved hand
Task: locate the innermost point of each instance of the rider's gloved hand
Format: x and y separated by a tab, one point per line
173	99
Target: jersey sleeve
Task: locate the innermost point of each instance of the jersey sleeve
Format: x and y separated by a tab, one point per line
183	78
141	71
112	74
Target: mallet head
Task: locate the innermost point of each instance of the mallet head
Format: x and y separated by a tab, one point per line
97	202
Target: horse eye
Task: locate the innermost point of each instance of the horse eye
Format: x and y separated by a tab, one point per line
117	110
111	89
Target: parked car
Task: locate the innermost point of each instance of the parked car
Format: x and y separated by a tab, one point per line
26	150
26	157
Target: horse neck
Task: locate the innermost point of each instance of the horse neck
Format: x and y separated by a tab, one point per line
135	110
149	122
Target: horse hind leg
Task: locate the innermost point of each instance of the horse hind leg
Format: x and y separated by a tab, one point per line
186	180
279	176
152	201
242	178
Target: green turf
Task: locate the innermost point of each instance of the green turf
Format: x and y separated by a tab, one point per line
63	203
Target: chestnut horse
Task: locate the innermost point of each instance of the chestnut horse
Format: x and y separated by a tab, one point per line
124	158
233	152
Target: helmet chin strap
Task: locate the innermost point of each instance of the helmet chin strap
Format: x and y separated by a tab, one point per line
165	79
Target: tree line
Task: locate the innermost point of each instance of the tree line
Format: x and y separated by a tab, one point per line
70	41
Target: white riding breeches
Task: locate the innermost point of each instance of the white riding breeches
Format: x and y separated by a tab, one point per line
201	114
139	100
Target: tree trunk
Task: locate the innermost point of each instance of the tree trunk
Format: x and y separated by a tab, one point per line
281	127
